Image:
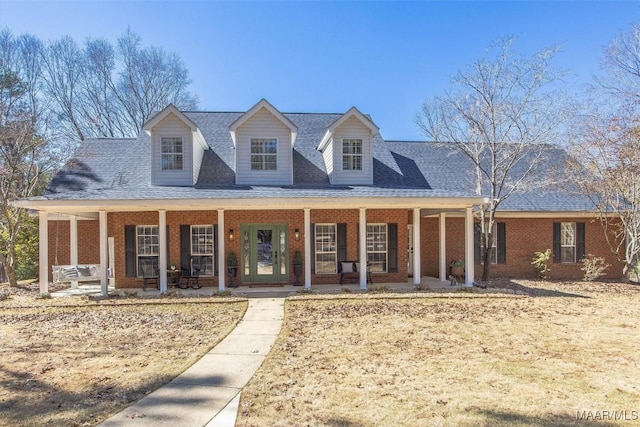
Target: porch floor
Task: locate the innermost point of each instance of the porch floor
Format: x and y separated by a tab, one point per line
426	283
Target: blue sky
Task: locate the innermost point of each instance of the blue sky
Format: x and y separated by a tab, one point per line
383	57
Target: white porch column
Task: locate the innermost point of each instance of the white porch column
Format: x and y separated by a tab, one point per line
104	255
416	247
443	245
43	244
222	267
307	248
73	245
468	247
162	258
363	248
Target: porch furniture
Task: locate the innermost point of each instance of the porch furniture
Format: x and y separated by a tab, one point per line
456	273
173	276
190	277
150	274
352	269
76	273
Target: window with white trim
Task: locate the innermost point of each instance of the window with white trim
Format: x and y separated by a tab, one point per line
568	242
377	247
148	248
172	154
325	248
264	154
352	154
202	249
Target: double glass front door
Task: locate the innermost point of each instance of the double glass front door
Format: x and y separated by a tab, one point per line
264	253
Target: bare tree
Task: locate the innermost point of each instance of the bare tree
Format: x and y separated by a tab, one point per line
621	65
606	145
102	91
606	165
501	113
150	79
63	69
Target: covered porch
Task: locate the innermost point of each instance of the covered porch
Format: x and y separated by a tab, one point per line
108	217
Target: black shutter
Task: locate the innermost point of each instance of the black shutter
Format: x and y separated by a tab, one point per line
556	242
130	250
185	246
477	244
501	230
313	248
215	249
580	241
341	241
392	240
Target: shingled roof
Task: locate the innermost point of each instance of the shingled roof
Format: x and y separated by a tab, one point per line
105	169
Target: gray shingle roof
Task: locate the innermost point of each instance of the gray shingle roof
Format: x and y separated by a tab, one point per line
108	169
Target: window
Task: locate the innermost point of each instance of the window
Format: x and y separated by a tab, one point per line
148	244
498	251
352	154
325	248
264	154
171	154
568	242
202	249
377	247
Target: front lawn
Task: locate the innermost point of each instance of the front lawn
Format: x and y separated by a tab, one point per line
572	350
74	362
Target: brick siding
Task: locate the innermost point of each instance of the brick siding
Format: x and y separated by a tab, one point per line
524	237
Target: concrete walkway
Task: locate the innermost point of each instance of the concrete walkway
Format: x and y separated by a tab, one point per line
208	393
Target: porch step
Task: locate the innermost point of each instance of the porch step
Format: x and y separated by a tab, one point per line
265	294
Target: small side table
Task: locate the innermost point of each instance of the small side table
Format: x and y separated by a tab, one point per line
173	276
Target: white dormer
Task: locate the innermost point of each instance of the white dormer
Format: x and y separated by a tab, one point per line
347	149
177	148
263	139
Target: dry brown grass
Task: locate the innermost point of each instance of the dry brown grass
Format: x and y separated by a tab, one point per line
509	361
76	365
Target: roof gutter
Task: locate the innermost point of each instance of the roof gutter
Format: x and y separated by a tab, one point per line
119	205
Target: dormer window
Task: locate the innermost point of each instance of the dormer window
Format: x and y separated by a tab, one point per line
264	154
172	154
352	154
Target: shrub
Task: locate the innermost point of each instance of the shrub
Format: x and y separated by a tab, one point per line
297	258
542	262
594	267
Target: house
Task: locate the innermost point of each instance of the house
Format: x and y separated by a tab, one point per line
263	184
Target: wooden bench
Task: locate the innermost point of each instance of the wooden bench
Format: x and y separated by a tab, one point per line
76	273
352	269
